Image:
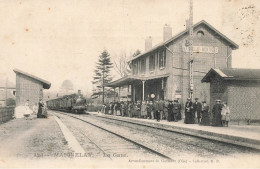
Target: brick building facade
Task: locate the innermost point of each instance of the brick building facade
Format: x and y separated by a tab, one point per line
7	92
240	88
162	71
29	87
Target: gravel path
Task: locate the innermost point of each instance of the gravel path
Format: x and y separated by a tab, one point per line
33	139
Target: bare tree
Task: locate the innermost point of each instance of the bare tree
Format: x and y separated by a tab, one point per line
121	64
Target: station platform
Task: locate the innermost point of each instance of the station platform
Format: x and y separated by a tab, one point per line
241	135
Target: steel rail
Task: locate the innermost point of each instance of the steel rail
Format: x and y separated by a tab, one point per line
123	137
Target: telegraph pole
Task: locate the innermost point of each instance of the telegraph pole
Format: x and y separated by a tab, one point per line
6	87
103	87
191	50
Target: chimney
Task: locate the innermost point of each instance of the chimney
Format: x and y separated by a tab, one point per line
167	32
187	24
148	43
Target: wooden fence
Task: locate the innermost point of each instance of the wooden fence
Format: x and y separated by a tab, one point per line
6	114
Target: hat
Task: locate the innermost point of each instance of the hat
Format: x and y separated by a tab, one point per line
196	98
175	100
218	100
188	99
204	102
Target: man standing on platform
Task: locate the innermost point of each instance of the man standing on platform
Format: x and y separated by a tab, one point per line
170	111
156	110
160	107
165	109
179	114
176	110
197	107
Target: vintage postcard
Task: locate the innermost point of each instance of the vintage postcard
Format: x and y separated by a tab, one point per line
129	84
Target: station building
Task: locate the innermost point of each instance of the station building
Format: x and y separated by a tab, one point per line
29	87
162	71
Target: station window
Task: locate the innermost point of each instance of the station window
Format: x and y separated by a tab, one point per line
135	68
162	59
152	62
142	66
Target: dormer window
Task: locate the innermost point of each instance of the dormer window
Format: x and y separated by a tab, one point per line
200	33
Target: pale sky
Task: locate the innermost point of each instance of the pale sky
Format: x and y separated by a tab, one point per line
62	39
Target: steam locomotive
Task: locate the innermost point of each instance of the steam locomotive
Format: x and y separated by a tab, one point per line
74	103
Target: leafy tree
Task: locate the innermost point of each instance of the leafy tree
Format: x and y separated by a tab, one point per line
102	76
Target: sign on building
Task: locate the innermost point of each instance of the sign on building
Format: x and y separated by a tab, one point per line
201	49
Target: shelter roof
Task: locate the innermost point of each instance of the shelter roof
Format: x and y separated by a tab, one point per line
130	78
232	44
233	74
46	84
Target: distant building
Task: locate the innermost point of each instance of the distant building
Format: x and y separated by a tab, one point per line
66	88
7	91
240	88
29	87
162	71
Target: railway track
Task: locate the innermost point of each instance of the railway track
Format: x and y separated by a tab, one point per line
112	145
172	145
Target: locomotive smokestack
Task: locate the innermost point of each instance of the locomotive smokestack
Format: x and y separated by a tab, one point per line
79	92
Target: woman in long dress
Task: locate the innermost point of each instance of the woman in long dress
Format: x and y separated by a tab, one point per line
40	106
216	111
188	112
205	114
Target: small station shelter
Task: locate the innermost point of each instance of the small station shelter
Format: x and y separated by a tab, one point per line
29	87
240	88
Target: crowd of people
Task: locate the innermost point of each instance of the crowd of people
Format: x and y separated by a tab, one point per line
159	109
194	112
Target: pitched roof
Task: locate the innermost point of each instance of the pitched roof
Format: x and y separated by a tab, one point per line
233	74
46	84
232	44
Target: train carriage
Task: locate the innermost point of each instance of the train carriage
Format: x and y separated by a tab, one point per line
75	103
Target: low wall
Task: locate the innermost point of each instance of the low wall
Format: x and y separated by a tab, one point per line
6	114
